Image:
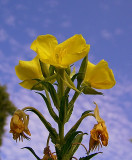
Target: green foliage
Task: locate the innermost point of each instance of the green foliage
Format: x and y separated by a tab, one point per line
6	108
32	151
52	131
89	156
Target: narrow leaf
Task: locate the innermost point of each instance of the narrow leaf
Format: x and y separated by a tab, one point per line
90	156
52	131
52	92
77	139
68	143
51	111
32	151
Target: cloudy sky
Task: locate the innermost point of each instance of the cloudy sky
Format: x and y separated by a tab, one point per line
107	27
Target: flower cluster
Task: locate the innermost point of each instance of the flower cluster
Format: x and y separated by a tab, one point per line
51	67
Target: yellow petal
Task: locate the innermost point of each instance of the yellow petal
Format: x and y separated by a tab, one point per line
44	46
28	69
99	76
28	84
71	50
96	114
62	55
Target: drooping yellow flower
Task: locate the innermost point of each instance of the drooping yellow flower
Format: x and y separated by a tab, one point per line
19	125
63	54
99	135
99	76
48	155
27	71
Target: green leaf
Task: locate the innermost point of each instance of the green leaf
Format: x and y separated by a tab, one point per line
52	131
75	76
50	109
69	112
52	92
32	151
86	112
68	143
90	156
77	139
69	82
76	125
73	79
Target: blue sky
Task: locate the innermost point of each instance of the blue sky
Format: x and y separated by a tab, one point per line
107	27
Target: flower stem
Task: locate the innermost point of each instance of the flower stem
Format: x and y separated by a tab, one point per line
61	94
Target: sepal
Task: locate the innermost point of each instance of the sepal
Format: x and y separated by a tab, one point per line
82	70
87	89
44	69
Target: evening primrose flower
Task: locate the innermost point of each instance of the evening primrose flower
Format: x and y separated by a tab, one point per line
19	125
63	54
27	71
99	135
99	76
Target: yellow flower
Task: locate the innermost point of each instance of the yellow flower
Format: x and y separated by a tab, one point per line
48	155
19	125
28	70
60	55
99	135
99	76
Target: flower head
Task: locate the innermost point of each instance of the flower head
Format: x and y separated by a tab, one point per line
27	71
19	125
99	76
60	55
99	135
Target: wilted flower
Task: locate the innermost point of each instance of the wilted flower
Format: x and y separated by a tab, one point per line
99	76
99	135
19	125
60	55
27	71
48	155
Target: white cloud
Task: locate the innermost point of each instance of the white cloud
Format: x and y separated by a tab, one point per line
118	31
3	35
21	7
106	34
109	35
10	20
47	22
104	6
66	24
5	1
52	3
31	32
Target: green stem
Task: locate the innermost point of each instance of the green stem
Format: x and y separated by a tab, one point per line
48	139
60	82
61	94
